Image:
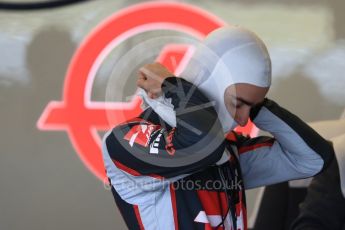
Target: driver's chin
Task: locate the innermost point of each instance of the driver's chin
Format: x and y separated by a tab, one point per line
242	124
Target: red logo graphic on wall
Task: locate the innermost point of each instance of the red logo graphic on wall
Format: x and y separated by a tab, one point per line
80	117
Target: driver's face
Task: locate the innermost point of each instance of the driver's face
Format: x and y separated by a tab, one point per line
240	98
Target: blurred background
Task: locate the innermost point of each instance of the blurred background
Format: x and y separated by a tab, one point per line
44	182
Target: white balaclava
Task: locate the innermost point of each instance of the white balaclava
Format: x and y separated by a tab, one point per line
227	56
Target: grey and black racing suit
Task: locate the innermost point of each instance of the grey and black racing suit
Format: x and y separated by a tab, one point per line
197	195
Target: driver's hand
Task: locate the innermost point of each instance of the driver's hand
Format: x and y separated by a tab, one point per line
150	78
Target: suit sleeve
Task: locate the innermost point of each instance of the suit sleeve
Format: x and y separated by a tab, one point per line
153	150
295	151
324	205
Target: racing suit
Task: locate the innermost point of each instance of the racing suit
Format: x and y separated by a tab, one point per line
208	193
324	205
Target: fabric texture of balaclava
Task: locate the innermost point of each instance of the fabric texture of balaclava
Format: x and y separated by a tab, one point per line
227	56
